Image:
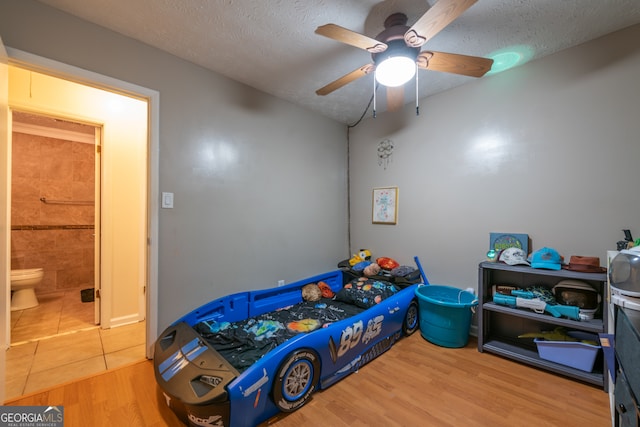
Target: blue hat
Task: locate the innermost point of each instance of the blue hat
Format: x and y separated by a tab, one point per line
546	258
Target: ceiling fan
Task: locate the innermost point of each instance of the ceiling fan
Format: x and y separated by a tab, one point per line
400	44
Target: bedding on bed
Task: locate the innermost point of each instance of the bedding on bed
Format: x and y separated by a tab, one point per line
365	292
243	343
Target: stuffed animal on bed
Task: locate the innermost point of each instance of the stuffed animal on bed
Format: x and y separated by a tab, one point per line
361	265
387	263
371	270
325	289
362	255
311	292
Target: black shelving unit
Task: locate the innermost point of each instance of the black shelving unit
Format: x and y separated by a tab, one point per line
499	325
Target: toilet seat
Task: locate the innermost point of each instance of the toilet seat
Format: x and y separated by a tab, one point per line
20	273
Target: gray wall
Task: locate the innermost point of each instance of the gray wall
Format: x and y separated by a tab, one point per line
551	149
260	184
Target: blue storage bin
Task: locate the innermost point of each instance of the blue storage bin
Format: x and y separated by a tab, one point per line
577	355
445	314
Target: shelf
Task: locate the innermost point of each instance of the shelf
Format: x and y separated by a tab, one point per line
564	274
595	325
531	358
499	326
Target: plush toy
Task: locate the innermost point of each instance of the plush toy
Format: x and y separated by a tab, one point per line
311	292
361	265
387	263
403	270
371	270
362	255
326	290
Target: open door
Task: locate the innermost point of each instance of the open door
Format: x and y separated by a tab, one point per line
97	235
5	233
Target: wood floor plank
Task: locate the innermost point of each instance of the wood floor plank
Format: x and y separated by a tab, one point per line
415	383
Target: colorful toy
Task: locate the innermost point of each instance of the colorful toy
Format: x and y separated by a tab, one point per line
361	265
387	263
528	299
326	290
371	270
362	255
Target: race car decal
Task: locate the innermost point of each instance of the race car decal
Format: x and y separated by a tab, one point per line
181	358
352	335
212	420
255	386
374	327
333	350
167	398
211	380
350	365
257	399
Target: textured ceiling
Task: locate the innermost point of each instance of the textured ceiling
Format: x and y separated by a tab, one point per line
271	45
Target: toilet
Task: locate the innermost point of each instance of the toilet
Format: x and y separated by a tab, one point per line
23	283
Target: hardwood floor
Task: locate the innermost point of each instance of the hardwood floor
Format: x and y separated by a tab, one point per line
415	383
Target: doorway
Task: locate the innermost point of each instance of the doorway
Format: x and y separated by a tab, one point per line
122	209
146	306
55	225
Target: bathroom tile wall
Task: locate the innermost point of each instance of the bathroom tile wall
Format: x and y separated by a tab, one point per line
56	237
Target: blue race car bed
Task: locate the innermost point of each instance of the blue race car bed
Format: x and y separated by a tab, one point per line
240	359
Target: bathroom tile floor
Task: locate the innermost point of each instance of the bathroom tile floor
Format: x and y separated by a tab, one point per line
57	342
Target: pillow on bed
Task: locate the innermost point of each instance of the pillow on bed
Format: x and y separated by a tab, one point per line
365	292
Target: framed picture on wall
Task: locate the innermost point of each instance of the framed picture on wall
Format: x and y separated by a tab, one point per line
501	241
385	205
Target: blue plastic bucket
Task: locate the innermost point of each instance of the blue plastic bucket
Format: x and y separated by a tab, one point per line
445	314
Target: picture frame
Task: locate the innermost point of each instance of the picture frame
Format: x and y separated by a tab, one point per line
501	241
385	205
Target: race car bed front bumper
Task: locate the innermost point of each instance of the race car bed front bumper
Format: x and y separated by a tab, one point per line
193	377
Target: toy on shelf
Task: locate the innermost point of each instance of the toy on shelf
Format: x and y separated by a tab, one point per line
527	299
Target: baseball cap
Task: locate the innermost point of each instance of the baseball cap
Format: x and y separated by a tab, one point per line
547	258
513	256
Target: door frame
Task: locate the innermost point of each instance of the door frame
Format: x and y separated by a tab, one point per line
89	78
5	215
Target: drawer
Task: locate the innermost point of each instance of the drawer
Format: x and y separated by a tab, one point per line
627	411
627	345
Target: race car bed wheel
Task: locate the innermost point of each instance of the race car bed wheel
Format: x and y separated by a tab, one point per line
410	324
296	379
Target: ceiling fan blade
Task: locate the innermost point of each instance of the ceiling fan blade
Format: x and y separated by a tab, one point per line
347	78
352	38
395	98
472	66
435	19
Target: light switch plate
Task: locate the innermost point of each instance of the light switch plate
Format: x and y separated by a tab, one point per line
167	200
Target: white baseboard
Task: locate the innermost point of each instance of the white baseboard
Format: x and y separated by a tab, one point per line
126	320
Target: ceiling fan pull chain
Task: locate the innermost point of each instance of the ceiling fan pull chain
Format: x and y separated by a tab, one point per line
417	104
374	97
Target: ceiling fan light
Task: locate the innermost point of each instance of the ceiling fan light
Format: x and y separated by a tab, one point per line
395	71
